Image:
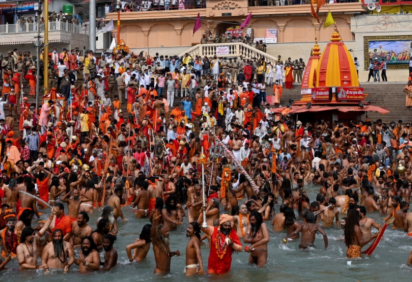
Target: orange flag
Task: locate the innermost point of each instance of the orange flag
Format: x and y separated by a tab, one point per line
313	12
319	5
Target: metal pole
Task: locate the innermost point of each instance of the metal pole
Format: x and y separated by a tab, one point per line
118	24
46	46
92	25
204	224
38	64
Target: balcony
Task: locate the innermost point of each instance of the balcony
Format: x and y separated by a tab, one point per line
59	32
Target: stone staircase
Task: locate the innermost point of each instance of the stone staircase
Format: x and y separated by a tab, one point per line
236	49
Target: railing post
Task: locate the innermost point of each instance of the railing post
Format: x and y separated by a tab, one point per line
7	28
27	27
57	24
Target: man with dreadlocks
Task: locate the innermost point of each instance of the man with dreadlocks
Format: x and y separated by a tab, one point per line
224	241
142	245
11	192
171	214
89	259
194	260
161	249
110	253
115	201
257	235
9	237
27	250
58	254
103	228
89	193
25	219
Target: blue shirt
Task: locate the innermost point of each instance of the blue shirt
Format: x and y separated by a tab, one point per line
187	107
33	141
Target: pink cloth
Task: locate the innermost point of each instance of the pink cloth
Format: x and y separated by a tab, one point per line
13	154
45	110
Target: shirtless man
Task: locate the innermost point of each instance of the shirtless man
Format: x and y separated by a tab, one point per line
370	203
168	186
400	216
115	202
57	188
11	192
29	202
89	259
57	254
103	228
161	249
171	214
257	235
194	260
142	199
73	203
366	223
309	229
278	221
241	221
80	229
212	211
110	253
195	203
27	251
331	213
88	195
236	145
141	245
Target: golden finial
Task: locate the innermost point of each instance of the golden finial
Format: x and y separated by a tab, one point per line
316	49
335	36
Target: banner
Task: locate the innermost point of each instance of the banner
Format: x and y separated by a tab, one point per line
234	32
320	94
223	50
20	8
272	35
350	94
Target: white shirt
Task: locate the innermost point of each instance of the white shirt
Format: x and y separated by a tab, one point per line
206	89
61	69
186	167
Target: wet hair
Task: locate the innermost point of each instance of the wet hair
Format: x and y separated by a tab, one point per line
196	228
30	187
235	210
283	208
60	205
288	193
362	210
92	245
168	203
259	220
101	225
332	201
404	204
24	217
310	217
289	217
320	198
58	246
145	234
314	204
27	231
159	204
106	211
351	221
85	215
55	181
336	187
110	237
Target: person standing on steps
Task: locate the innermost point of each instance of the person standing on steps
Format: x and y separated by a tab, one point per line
383	68
370	70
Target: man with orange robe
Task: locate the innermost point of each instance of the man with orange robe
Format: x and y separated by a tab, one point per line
31	77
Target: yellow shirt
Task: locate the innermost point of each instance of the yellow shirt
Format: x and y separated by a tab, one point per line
260	70
84	122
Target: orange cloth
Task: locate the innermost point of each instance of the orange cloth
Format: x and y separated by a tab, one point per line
248	117
353	252
43	190
198	111
20	211
152	203
72	219
65	225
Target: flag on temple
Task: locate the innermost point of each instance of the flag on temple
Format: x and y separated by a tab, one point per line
198	24
329	20
314	12
246	22
319	5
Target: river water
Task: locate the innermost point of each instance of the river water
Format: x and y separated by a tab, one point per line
285	262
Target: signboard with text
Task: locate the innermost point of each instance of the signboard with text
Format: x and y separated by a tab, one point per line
320	94
222	50
272	35
234	32
350	94
20	8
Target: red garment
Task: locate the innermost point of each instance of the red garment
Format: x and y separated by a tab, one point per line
43	190
248	72
63	223
217	265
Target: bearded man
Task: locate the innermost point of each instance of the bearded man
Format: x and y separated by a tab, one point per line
89	259
57	254
224	241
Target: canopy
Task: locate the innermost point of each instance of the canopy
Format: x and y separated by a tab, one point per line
344	109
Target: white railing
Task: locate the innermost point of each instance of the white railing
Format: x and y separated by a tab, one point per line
53	26
234	50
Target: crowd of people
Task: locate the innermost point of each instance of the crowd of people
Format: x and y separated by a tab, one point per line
110	134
